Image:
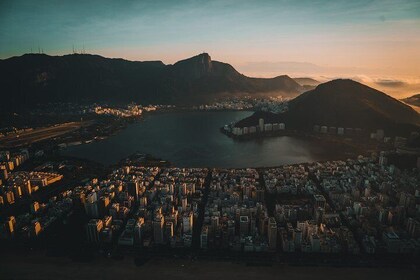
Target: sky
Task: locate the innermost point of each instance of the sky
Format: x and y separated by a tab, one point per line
373	41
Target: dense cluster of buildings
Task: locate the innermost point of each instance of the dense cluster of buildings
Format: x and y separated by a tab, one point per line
380	202
8	161
17	184
57	109
139	206
130	111
314	228
235	215
289	179
39	217
226	105
353	206
272	104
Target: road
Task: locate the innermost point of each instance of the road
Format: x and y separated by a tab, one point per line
39	134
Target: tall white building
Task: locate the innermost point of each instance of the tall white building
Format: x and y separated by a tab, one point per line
158	229
214	223
138	231
169	231
133	189
244	225
261	124
272	233
204	237
268	127
187	222
282	126
94	228
184	203
315	243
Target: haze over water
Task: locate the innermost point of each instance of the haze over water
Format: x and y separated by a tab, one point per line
193	139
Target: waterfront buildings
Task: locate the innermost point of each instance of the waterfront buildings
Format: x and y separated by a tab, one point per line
261	128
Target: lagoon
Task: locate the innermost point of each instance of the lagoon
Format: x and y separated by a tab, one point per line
193	139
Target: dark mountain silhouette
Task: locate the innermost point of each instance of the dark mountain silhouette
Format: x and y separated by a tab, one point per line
307	81
343	103
39	78
413	100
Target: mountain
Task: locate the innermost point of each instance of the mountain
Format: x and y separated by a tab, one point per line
307	82
343	103
40	78
412	100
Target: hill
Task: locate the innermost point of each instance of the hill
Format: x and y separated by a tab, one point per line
343	103
39	78
413	100
307	82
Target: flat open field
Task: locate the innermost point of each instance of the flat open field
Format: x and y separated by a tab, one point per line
37	266
39	134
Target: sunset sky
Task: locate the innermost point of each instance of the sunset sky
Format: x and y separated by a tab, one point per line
377	42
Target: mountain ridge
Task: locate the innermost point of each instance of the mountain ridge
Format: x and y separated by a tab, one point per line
39	78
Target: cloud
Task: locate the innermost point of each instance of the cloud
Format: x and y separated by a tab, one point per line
398	87
390	83
296	68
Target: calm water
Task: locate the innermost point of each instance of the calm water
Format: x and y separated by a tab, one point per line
193	139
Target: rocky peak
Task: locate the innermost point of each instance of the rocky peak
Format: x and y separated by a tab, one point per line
195	67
